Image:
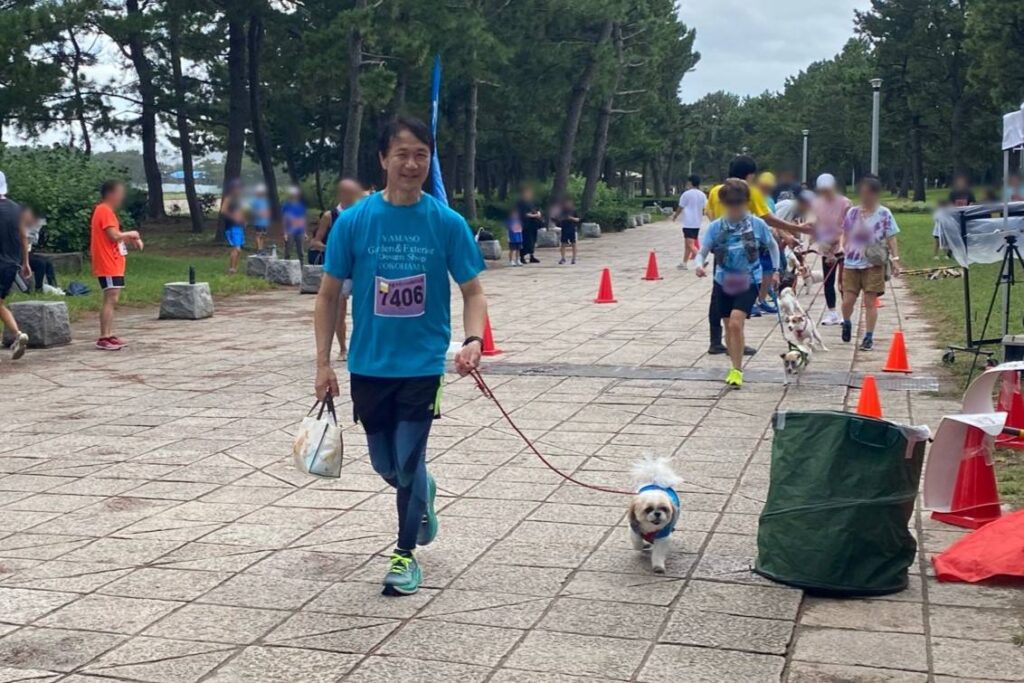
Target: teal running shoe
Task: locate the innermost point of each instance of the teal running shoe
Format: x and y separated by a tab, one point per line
428	527
403	577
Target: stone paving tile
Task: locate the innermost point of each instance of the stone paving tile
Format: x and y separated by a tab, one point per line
333	632
167	584
808	672
405	670
451	642
284	665
708	665
578	655
977	660
728	631
865	615
109	613
51	649
217	623
160	660
864	648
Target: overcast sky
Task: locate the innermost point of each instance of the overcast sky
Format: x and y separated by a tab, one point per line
749	46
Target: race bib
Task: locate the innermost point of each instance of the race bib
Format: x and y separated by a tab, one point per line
402	298
123	248
735	283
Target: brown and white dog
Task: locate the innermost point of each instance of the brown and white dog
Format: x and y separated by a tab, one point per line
654	510
800	325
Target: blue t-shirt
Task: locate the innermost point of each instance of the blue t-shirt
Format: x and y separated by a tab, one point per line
260	209
399	259
294	214
739	245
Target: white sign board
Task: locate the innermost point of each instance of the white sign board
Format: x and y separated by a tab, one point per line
1013	130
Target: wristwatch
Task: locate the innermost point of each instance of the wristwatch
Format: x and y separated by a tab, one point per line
470	340
894	258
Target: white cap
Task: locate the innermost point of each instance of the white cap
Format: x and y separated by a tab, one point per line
826	181
3	183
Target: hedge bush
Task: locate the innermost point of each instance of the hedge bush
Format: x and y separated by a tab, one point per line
63	186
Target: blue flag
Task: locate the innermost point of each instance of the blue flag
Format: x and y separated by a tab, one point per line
436	179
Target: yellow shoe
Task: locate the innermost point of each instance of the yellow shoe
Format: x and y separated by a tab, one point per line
734	378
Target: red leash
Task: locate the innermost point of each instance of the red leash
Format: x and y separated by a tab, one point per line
486	391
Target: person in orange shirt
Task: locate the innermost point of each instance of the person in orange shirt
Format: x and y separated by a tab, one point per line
108	246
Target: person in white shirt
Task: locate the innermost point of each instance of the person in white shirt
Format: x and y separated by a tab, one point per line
691	206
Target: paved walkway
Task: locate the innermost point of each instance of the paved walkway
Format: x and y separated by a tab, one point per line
151	528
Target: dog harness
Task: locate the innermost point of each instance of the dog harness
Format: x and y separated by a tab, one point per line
664	532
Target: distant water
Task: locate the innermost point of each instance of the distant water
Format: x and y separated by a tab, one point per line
201	189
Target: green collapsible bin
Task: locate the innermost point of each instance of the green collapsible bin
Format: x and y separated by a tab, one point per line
841	495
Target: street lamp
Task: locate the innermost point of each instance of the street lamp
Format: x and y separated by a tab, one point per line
803	172
876	109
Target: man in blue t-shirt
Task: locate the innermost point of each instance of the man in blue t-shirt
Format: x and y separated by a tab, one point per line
399	247
259	215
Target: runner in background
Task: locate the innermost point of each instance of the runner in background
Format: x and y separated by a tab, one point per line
233	218
742	168
259	215
691	206
14	262
829	210
346	193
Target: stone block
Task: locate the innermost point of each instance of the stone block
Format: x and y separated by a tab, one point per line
632	222
590	230
45	322
311	279
282	272
666	211
184	301
548	237
647	218
256	265
490	249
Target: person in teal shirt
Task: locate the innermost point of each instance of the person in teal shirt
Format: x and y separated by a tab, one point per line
401	248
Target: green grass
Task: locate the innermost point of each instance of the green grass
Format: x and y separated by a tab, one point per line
942	304
170	250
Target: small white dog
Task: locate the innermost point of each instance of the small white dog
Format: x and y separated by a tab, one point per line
801	326
654	511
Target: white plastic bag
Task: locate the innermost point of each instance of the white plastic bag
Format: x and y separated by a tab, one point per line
318	448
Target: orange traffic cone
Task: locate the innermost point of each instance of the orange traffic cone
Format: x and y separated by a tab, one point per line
975	497
489	348
652	267
897	360
868	404
604	290
1012	403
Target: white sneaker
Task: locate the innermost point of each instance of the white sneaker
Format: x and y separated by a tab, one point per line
831	318
682	266
19	346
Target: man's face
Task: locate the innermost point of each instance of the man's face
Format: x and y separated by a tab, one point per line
407	162
527	194
349	193
960	183
116	197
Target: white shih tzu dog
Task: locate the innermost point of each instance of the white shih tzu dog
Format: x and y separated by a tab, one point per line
654	511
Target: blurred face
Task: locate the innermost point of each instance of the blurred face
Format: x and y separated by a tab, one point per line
527	194
868	195
407	162
735	209
115	197
960	183
349	193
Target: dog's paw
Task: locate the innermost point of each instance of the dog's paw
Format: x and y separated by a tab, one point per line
658	568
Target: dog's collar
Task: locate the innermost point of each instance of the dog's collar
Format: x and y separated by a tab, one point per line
664	532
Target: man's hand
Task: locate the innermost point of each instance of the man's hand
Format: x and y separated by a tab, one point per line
700	271
468	358
326	381
895	265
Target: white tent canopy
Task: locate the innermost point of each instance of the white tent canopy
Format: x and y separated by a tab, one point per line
1013	129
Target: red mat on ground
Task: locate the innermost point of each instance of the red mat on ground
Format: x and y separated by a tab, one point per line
995	551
